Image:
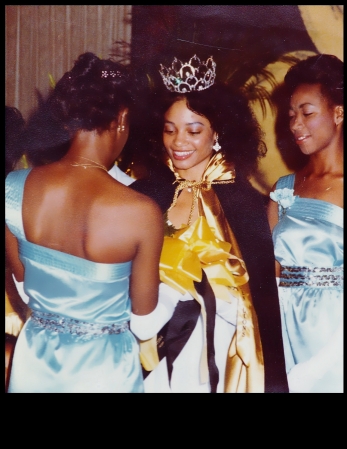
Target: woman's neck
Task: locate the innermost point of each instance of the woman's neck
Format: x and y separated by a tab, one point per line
325	162
90	145
194	173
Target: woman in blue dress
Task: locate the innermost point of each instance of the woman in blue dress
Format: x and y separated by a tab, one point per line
306	217
81	241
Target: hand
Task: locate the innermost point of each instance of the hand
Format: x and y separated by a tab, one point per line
146	326
13	324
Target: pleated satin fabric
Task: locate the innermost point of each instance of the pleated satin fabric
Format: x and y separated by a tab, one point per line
308	242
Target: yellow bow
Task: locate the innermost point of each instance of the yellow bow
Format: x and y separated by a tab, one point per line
216	172
192	249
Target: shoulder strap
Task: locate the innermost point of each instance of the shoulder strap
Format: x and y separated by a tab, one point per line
14	188
286	181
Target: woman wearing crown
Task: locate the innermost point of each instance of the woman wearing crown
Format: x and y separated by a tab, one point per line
217	261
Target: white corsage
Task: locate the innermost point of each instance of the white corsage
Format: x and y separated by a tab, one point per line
284	197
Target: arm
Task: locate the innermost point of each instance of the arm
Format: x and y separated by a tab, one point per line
272	216
12	255
14	268
144	282
272	211
150	313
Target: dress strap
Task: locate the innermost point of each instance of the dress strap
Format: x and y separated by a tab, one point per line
14	188
286	182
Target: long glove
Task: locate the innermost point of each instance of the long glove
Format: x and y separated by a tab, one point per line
146	326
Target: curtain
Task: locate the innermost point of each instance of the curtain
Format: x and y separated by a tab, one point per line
43	41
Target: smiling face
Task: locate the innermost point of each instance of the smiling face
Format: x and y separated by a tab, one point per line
312	119
188	139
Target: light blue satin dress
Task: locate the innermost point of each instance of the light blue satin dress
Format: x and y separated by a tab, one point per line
308	241
77	338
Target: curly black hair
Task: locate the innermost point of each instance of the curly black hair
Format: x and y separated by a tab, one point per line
88	97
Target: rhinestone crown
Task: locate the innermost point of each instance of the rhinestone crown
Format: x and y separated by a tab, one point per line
189	76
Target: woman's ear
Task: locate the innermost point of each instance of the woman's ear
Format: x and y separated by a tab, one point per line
122	119
338	115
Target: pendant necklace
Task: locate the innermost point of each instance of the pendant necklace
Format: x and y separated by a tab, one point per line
87	165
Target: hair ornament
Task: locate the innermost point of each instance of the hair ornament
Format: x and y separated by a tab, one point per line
111	73
189	76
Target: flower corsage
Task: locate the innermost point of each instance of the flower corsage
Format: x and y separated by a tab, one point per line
284	197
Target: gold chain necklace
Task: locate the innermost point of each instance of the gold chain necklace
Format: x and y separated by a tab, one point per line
86	165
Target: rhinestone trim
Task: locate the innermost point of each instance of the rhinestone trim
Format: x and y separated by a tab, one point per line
311	277
63	325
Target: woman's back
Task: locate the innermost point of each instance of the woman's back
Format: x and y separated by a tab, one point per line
90	215
79	308
81	242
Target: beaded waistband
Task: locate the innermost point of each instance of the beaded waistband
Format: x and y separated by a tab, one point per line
63	325
311	277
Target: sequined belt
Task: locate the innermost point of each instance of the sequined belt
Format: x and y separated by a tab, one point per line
83	329
311	277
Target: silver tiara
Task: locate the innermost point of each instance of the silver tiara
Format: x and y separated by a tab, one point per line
189	76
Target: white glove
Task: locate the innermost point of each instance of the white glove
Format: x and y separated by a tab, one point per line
146	326
13	324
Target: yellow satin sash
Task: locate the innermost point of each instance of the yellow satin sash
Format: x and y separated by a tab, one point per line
210	245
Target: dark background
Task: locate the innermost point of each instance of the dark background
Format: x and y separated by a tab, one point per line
242	39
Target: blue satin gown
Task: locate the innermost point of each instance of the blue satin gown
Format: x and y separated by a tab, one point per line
308	241
77	338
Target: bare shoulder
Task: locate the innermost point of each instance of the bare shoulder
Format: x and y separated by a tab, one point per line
273	188
140	200
147	211
137	205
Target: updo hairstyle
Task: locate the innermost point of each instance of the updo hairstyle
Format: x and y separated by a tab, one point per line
323	69
88	97
91	94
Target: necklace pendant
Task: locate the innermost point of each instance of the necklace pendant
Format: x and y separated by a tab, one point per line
189	189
